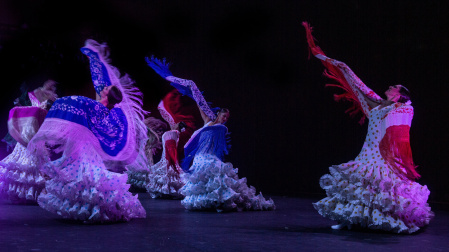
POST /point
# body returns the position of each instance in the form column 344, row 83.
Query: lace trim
column 196, row 93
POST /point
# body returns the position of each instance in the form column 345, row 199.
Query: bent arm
column 206, row 119
column 206, row 112
column 185, row 87
column 371, row 103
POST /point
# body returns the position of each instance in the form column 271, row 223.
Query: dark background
column 251, row 57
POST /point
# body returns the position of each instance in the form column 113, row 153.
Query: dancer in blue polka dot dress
column 84, row 146
column 211, row 182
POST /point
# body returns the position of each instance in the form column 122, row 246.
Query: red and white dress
column 166, row 176
column 377, row 189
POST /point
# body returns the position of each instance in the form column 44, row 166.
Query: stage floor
column 293, row 226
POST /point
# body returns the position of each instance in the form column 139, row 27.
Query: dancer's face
column 393, row 93
column 104, row 93
column 222, row 117
column 50, row 85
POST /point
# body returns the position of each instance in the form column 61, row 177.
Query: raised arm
column 367, row 98
column 371, row 103
column 186, row 87
column 98, row 70
column 195, row 93
column 206, row 118
column 356, row 91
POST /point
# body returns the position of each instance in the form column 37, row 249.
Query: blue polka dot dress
column 81, row 188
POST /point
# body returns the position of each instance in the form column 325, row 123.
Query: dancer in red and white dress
column 166, row 176
column 138, row 172
column 377, row 189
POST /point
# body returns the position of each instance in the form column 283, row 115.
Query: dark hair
column 48, row 104
column 223, row 110
column 114, row 96
column 405, row 94
column 182, row 125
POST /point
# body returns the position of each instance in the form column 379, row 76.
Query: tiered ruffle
column 20, row 178
column 215, row 185
column 165, row 182
column 84, row 190
column 139, row 179
column 373, row 196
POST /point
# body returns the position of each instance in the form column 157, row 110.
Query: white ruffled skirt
column 20, row 178
column 138, row 179
column 164, row 182
column 138, row 171
column 371, row 195
column 81, row 188
column 215, row 185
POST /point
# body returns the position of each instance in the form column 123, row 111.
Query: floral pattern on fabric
column 109, row 126
column 194, row 93
column 98, row 71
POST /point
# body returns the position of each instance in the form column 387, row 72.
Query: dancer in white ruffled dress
column 166, row 176
column 96, row 139
column 20, row 178
column 138, row 171
column 211, row 183
column 377, row 189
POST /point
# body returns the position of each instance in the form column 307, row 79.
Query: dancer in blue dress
column 95, row 141
column 211, row 182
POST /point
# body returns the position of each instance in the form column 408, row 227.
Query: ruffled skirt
column 371, row 195
column 163, row 182
column 138, row 172
column 81, row 188
column 20, row 178
column 215, row 185
column 137, row 179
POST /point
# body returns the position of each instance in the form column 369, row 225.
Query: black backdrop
column 252, row 57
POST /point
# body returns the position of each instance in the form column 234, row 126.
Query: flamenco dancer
column 166, row 176
column 211, row 183
column 20, row 178
column 138, row 171
column 156, row 129
column 95, row 139
column 377, row 189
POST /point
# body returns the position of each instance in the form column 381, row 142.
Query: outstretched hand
column 161, row 67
